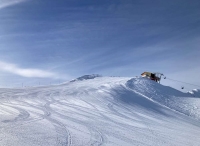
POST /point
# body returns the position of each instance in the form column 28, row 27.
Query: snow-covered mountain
column 94, row 110
column 86, row 77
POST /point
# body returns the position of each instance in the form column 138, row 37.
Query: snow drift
column 174, row 99
column 94, row 110
column 195, row 92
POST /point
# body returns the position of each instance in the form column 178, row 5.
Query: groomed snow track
column 111, row 111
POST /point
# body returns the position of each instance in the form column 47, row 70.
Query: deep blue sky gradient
column 71, row 38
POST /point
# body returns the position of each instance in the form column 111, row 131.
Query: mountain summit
column 86, row 77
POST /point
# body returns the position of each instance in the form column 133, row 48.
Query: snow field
column 94, row 111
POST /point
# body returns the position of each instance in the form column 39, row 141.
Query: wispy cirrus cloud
column 7, row 3
column 25, row 72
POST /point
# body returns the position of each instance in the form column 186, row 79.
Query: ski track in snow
column 111, row 111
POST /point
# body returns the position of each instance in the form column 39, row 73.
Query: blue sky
column 52, row 41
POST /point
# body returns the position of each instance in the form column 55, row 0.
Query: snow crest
column 167, row 96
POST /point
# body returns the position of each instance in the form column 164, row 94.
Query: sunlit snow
column 95, row 110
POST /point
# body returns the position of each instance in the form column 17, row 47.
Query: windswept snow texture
column 110, row 111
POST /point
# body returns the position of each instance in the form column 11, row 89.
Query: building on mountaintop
column 153, row 76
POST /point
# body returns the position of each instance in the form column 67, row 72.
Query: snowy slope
column 182, row 102
column 112, row 111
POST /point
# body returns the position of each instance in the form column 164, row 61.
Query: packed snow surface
column 94, row 111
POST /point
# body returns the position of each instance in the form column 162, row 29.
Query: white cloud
column 7, row 3
column 29, row 72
